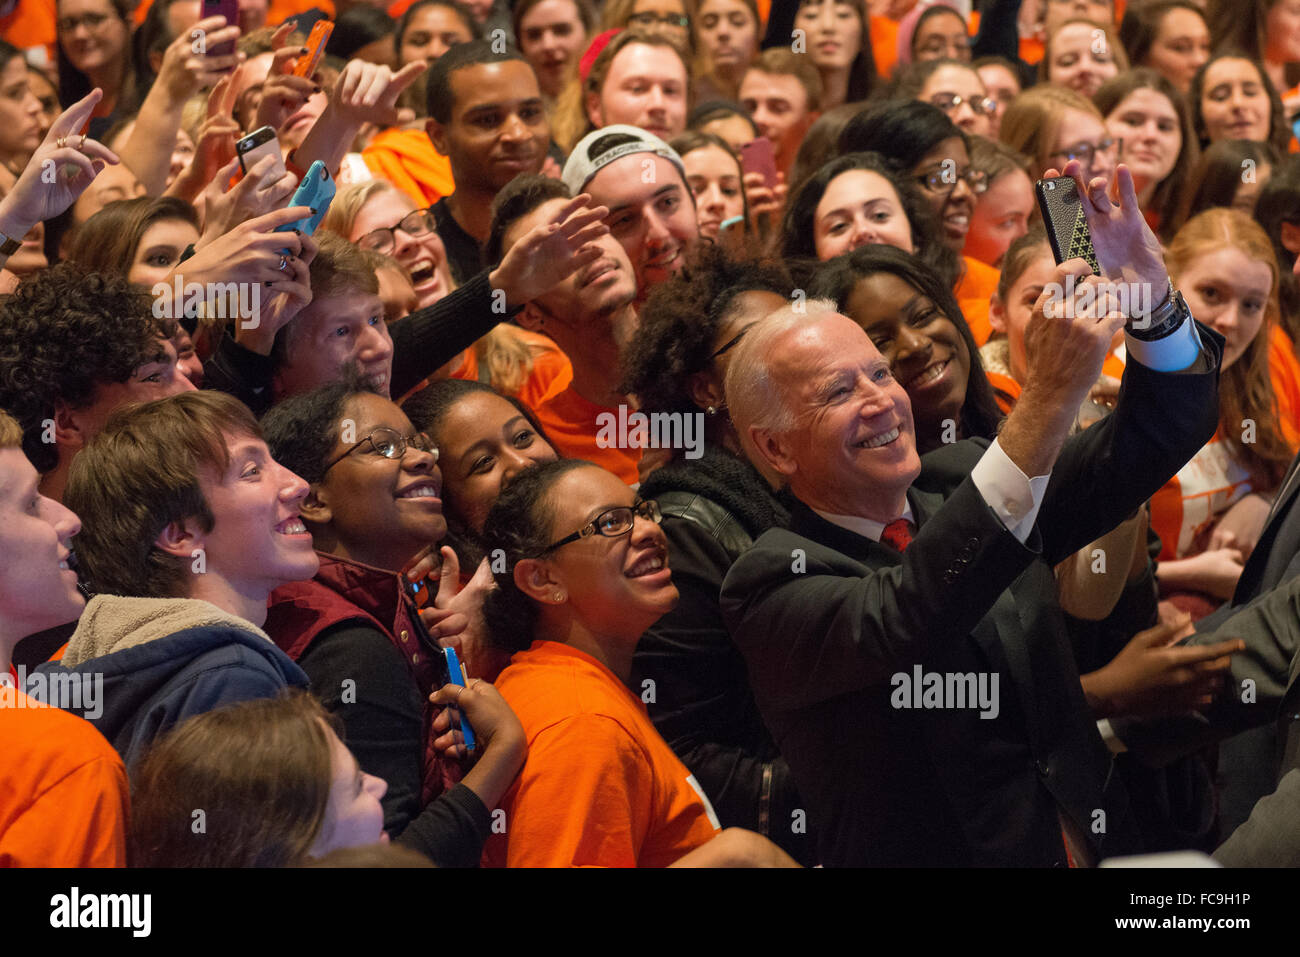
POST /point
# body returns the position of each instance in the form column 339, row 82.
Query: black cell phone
column 1067, row 227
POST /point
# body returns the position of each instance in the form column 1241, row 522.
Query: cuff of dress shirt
column 1014, row 497
column 1174, row 353
column 1108, row 735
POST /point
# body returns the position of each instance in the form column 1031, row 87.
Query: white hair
column 753, row 395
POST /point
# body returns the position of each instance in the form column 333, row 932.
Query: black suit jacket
column 826, row 617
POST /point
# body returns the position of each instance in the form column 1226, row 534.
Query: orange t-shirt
column 884, row 44
column 1284, row 374
column 551, row 373
column 600, row 787
column 573, row 425
column 407, row 159
column 65, row 797
column 978, row 283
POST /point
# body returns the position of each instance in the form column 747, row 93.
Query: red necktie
column 897, row 534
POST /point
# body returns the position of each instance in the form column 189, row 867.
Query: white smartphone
column 256, row 145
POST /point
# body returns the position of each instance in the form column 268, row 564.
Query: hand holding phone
column 320, row 35
column 255, row 146
column 758, row 156
column 456, row 676
column 1067, row 226
column 222, row 8
column 316, row 191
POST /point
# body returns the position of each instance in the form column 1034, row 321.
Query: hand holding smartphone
column 316, row 41
column 758, row 157
column 1067, row 226
column 316, row 191
column 222, row 8
column 255, row 146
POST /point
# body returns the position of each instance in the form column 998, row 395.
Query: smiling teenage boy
column 188, row 525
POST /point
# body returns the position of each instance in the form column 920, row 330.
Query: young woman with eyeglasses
column 379, row 217
column 672, row 18
column 585, row 575
column 922, row 141
column 1053, row 125
column 375, row 510
column 954, row 87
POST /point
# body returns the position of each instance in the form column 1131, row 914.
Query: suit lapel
column 1000, row 634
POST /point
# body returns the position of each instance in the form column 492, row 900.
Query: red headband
column 597, row 47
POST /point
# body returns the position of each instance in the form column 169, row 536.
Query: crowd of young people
column 670, row 390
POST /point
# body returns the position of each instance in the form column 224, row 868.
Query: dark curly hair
column 301, row 430
column 520, row 526
column 797, row 224
column 63, row 334
column 838, row 278
column 681, row 320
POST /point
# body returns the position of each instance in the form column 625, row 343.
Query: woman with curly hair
column 714, row 505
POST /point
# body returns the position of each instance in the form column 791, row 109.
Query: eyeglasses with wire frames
column 951, row 102
column 1086, row 152
column 416, row 224
column 945, row 180
column 612, row 523
column 389, row 443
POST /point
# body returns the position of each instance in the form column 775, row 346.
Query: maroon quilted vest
column 343, row 591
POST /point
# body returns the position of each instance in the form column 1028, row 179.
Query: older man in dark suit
column 903, row 636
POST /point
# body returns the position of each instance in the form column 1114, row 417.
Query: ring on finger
column 61, row 142
column 459, row 691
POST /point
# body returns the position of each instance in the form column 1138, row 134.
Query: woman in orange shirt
column 586, row 574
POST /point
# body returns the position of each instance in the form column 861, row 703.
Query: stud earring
column 558, row 596
column 711, row 410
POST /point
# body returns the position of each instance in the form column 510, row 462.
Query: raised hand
column 366, row 92
column 1127, row 250
column 59, row 171
column 184, row 71
column 551, row 252
column 283, row 94
column 257, row 194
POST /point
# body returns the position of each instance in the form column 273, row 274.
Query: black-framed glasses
column 649, row 19
column 951, row 102
column 389, row 443
column 612, row 522
column 943, row 180
column 416, row 224
column 1086, row 152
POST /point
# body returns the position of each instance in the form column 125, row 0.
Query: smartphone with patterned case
column 1067, row 227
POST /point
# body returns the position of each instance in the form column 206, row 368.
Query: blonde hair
column 11, row 433
column 503, row 352
column 1245, row 388
column 1034, row 119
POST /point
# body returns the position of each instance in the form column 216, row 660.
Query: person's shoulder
column 30, row 728
column 550, row 685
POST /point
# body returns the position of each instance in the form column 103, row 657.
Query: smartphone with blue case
column 316, row 191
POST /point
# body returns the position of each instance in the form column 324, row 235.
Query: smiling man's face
column 651, row 213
